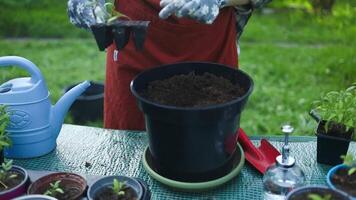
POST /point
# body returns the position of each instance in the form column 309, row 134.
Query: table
column 95, row 151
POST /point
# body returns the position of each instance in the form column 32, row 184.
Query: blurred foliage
column 36, row 18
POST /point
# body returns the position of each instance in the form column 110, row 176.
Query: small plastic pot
column 105, row 182
column 35, row 197
column 340, row 146
column 72, row 181
column 19, row 189
column 315, row 189
column 89, row 105
column 2, row 156
column 330, row 174
column 103, row 35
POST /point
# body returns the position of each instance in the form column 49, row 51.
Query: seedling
column 105, row 13
column 5, row 174
column 338, row 107
column 319, row 197
column 4, row 121
column 119, row 187
column 54, row 189
column 350, row 161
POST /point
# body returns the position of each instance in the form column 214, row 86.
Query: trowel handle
column 24, row 64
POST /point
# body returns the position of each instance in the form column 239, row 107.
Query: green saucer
column 197, row 186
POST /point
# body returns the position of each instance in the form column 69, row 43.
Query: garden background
column 293, row 52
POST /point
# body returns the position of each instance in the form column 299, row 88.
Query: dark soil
column 304, row 196
column 344, row 182
column 336, row 130
column 70, row 192
column 193, row 90
column 108, row 194
column 13, row 182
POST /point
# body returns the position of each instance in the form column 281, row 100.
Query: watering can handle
column 24, row 64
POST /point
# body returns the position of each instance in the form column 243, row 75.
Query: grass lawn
column 292, row 57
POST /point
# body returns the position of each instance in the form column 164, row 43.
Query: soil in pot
column 336, row 130
column 345, row 182
column 108, row 194
column 191, row 90
column 322, row 193
column 12, row 182
column 70, row 192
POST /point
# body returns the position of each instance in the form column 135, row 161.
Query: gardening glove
column 204, row 11
column 84, row 13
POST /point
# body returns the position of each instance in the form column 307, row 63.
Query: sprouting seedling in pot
column 54, row 189
column 5, row 174
column 319, row 197
column 105, row 13
column 350, row 161
column 118, row 187
column 338, row 107
column 4, row 121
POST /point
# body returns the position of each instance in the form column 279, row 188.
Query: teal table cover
column 96, row 151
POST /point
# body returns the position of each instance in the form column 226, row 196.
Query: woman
column 180, row 30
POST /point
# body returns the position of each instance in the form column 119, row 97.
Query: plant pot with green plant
column 343, row 176
column 63, row 186
column 4, row 137
column 316, row 193
column 115, row 26
column 13, row 181
column 336, row 115
column 117, row 188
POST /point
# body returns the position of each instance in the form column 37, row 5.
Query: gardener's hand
column 204, row 11
column 84, row 13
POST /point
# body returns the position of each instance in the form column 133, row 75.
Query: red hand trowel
column 260, row 157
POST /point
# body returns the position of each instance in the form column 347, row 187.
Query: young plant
column 118, row 187
column 105, row 13
column 338, row 107
column 319, row 197
column 350, row 161
column 54, row 189
column 5, row 174
column 4, row 121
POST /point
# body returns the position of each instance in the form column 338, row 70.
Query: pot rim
column 317, row 187
column 333, row 137
column 29, row 197
column 90, row 188
column 58, row 173
column 22, row 183
column 331, row 172
column 209, row 107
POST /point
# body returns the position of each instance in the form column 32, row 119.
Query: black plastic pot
column 1, row 156
column 336, row 194
column 189, row 144
column 102, row 34
column 331, row 148
column 89, row 105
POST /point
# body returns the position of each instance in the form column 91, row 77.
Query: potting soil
column 108, row 194
column 191, row 90
column 345, row 182
column 12, row 182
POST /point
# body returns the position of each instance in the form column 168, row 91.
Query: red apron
column 167, row 41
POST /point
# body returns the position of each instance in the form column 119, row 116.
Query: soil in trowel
column 193, row 90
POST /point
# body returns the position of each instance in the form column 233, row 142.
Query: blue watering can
column 34, row 123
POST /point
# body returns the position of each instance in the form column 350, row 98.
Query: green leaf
column 351, row 171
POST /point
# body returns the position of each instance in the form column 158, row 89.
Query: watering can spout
column 62, row 106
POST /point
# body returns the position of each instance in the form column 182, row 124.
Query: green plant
column 118, row 187
column 5, row 174
column 319, row 197
column 338, row 107
column 350, row 161
column 107, row 12
column 4, row 121
column 54, row 189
